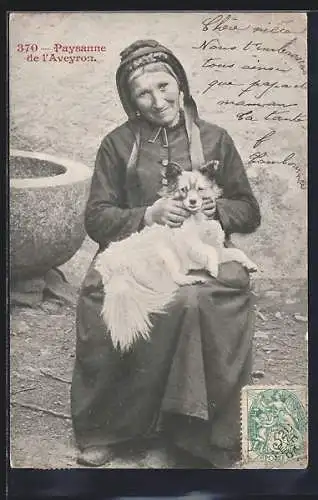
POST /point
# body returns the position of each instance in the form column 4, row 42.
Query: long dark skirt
column 187, row 377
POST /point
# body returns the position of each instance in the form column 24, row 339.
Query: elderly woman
column 185, row 382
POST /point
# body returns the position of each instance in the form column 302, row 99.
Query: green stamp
column 274, row 425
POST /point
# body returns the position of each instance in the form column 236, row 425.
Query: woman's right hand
column 166, row 211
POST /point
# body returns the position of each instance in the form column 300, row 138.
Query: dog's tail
column 127, row 307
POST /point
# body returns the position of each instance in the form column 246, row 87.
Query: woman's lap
column 118, row 396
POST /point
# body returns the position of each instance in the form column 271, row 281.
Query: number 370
column 27, row 47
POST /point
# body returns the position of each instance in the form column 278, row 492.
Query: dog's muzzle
column 193, row 205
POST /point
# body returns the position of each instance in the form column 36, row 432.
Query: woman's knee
column 234, row 275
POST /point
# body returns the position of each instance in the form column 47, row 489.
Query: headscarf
column 152, row 67
column 141, row 53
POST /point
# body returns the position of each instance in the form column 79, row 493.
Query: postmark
column 274, row 426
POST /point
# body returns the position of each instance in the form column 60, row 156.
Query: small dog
column 191, row 187
column 142, row 273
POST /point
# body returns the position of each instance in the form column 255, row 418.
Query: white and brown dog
column 142, row 273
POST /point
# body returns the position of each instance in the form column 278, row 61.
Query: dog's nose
column 192, row 201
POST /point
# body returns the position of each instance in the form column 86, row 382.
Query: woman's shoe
column 223, row 458
column 95, row 456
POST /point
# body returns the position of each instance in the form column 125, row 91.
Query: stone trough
column 47, row 202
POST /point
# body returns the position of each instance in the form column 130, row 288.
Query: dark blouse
column 108, row 217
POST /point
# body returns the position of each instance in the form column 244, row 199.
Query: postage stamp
column 274, row 426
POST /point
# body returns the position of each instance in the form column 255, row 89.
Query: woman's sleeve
column 106, row 218
column 237, row 210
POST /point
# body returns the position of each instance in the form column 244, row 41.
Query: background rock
column 46, row 212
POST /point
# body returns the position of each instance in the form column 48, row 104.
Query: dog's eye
column 183, row 189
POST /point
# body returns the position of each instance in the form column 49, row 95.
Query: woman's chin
column 164, row 121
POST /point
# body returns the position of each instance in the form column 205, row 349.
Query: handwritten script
column 253, row 70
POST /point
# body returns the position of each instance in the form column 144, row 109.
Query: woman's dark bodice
column 108, row 216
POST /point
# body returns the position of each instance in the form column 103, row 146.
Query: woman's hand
column 209, row 208
column 166, row 212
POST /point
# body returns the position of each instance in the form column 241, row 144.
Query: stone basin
column 47, row 202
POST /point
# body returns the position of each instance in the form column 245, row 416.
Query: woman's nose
column 157, row 100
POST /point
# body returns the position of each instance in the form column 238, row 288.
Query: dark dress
column 187, row 379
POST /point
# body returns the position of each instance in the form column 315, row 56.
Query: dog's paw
column 190, row 280
column 250, row 266
column 213, row 271
column 199, row 280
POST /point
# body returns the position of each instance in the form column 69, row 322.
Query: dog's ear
column 210, row 169
column 171, row 172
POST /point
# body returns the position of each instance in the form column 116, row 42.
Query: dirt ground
column 42, row 358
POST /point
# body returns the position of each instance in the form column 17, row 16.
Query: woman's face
column 156, row 96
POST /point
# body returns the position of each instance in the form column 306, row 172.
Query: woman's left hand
column 209, row 208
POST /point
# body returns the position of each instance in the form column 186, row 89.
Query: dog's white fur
column 142, row 273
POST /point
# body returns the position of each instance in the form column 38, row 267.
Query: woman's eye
column 163, row 86
column 142, row 93
column 200, row 188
